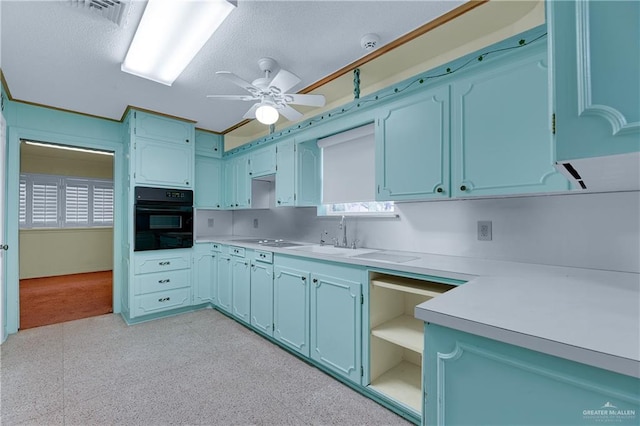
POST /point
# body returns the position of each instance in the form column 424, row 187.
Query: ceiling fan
column 270, row 94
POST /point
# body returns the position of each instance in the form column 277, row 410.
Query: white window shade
column 44, row 203
column 348, row 166
column 77, row 203
column 102, row 205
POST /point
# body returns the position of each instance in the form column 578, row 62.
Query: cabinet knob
column 315, row 280
column 187, row 182
column 215, row 149
column 463, row 188
column 218, row 205
column 279, row 202
column 304, row 278
column 439, row 190
column 187, row 140
column 250, row 173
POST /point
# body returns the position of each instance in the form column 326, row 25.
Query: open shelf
column 402, row 383
column 404, row 330
column 409, row 285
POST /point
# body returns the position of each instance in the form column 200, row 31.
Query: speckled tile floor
column 199, row 368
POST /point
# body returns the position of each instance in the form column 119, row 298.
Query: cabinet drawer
column 220, row 248
column 236, row 251
column 162, row 301
column 147, row 264
column 264, row 256
column 161, row 281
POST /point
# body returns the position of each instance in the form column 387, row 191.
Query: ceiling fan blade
column 233, row 97
column 252, row 111
column 309, row 100
column 290, row 113
column 238, row 81
column 284, row 81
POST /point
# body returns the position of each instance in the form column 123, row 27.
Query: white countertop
column 585, row 315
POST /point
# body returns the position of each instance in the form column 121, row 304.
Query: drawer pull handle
column 164, row 263
column 164, row 299
column 164, row 281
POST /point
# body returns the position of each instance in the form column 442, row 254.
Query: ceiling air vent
column 113, row 10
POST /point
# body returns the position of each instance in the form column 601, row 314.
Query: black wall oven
column 163, row 218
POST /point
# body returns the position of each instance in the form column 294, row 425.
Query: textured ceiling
column 66, row 57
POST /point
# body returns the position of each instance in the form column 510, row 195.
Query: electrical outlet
column 210, row 222
column 484, row 230
column 255, row 223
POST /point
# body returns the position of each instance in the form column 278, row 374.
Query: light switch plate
column 210, row 222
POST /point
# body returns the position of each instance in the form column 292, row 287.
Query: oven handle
column 176, row 209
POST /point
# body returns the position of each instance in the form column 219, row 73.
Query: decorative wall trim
column 586, row 107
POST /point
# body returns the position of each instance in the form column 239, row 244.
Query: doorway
column 66, row 233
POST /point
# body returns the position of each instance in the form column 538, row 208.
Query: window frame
column 62, row 184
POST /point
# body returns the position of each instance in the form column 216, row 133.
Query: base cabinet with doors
column 396, row 337
column 240, row 284
column 262, row 291
column 223, row 279
column 465, row 376
column 318, row 312
column 205, row 269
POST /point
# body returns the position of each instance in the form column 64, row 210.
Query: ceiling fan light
column 169, row 36
column 267, row 114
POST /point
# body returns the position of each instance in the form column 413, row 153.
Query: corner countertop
column 584, row 315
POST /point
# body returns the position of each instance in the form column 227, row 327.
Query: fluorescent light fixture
column 68, row 148
column 267, row 114
column 170, row 34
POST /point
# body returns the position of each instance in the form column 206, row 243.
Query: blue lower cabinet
column 262, row 296
column 473, row 380
column 336, row 325
column 291, row 308
column 241, row 288
column 205, row 271
column 223, row 283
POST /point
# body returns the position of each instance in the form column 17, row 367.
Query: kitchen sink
column 332, row 250
column 386, row 257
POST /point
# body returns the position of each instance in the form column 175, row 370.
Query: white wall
column 600, row 231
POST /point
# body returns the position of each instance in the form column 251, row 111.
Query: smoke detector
column 369, row 41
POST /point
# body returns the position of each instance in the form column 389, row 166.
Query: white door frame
column 16, row 134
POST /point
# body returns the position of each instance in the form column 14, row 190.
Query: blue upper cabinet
column 262, row 161
column 209, row 144
column 501, row 140
column 412, row 147
column 308, row 183
column 595, row 68
column 163, row 151
column 285, row 173
column 237, row 183
column 208, row 186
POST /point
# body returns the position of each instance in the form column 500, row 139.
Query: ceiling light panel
column 169, row 36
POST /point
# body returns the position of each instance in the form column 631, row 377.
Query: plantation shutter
column 44, row 203
column 22, row 216
column 76, row 211
column 102, row 205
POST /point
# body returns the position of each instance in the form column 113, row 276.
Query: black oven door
column 159, row 227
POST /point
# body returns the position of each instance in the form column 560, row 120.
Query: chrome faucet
column 343, row 227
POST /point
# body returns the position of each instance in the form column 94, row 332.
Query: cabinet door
column 208, row 183
column 595, row 68
column 336, row 325
column 223, row 283
column 243, row 183
column 163, row 128
column 205, row 274
column 241, row 292
column 501, row 140
column 208, row 144
column 291, row 308
column 285, row 174
column 262, row 162
column 412, row 148
column 163, row 163
column 230, row 184
column 262, row 297
column 308, row 183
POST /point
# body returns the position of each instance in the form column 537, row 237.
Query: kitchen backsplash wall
column 209, row 223
column 599, row 231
